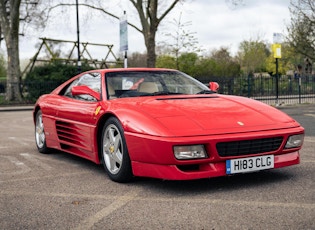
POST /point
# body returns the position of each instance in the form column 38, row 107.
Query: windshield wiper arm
column 206, row 91
column 164, row 93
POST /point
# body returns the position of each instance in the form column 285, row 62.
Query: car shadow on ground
column 253, row 180
column 234, row 182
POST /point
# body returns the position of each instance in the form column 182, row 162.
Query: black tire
column 115, row 156
column 40, row 138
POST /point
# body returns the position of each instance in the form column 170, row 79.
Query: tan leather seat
column 111, row 91
column 148, row 87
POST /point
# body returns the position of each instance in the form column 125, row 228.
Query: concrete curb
column 16, row 108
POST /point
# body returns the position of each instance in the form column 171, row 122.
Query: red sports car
column 165, row 124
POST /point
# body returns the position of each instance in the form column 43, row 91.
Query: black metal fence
column 291, row 90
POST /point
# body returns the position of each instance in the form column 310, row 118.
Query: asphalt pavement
column 61, row 191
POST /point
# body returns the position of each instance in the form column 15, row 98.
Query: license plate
column 249, row 164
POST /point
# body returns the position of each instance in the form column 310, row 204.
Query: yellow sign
column 276, row 49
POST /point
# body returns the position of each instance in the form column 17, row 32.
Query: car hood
column 204, row 115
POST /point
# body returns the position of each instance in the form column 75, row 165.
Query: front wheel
column 115, row 156
column 40, row 137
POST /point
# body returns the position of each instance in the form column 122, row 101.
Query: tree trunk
column 10, row 21
column 148, row 14
column 150, row 45
column 13, row 92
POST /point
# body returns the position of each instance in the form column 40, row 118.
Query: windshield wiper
column 164, row 93
column 132, row 93
column 206, row 91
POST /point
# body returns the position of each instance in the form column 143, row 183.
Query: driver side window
column 92, row 80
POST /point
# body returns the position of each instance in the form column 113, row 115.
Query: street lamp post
column 78, row 38
column 277, row 82
column 123, row 34
column 276, row 48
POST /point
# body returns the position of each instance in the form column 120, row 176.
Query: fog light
column 294, row 141
column 187, row 152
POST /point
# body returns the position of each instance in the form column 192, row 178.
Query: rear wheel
column 40, row 137
column 115, row 154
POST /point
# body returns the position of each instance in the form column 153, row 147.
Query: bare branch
column 168, row 10
column 95, row 8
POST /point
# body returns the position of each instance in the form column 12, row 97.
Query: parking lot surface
column 60, row 191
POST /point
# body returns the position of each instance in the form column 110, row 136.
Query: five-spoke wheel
column 40, row 137
column 115, row 154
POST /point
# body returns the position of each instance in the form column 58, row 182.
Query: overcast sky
column 215, row 22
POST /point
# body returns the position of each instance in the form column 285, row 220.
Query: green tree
column 187, row 63
column 301, row 31
column 204, row 70
column 289, row 60
column 225, row 65
column 180, row 40
column 252, row 56
column 166, row 61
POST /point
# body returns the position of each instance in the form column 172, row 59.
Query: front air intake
column 246, row 147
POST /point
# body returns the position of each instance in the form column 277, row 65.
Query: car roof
column 131, row 69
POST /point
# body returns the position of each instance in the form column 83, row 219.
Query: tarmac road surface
column 60, row 191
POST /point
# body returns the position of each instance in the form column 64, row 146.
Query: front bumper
column 202, row 170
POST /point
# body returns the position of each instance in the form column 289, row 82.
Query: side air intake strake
column 72, row 135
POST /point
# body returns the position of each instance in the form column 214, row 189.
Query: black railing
column 290, row 90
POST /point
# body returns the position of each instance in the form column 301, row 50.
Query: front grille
column 240, row 148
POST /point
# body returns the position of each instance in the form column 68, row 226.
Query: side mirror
column 83, row 89
column 214, row 86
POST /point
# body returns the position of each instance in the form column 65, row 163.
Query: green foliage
column 225, row 65
column 3, row 70
column 301, row 31
column 218, row 64
column 253, row 55
column 187, row 63
column 271, row 65
column 290, row 60
column 206, row 67
column 166, row 61
column 43, row 79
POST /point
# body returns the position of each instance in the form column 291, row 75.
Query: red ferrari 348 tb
column 162, row 123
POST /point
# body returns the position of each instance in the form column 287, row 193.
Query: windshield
column 150, row 83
